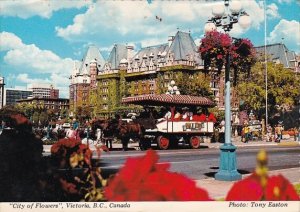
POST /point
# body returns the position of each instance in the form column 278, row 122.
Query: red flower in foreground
column 20, row 119
column 249, row 189
column 142, row 179
column 280, row 189
column 246, row 190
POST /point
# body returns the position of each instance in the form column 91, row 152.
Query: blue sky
column 41, row 39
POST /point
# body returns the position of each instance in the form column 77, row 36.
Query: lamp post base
column 228, row 170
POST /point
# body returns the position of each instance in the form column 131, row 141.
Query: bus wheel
column 195, row 142
column 163, row 142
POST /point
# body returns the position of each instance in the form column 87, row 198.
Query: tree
column 195, row 85
column 283, row 89
column 43, row 118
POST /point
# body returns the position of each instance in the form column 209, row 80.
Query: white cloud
column 43, row 8
column 25, row 79
column 136, row 21
column 289, row 31
column 36, row 61
column 9, row 41
column 285, row 1
column 272, row 11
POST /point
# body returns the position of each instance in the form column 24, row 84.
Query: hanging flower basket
column 216, row 45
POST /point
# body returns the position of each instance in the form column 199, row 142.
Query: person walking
column 246, row 133
column 278, row 133
column 70, row 132
column 269, row 133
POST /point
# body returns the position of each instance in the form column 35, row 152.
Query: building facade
column 55, row 104
column 148, row 71
column 2, row 92
column 12, row 95
column 101, row 84
column 83, row 81
column 43, row 90
column 129, row 73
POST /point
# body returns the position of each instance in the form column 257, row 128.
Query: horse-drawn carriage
column 169, row 131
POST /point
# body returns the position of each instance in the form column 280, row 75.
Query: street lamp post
column 172, row 88
column 225, row 17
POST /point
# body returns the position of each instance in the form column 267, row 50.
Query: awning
column 163, row 99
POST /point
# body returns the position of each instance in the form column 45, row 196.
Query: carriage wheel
column 163, row 142
column 145, row 144
column 195, row 142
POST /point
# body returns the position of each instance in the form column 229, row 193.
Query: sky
column 41, row 39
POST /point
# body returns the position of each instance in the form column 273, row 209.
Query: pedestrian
column 269, row 133
column 70, row 132
column 246, row 132
column 295, row 134
column 222, row 132
column 277, row 133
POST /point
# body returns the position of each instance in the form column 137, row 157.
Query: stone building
column 43, row 90
column 100, row 85
column 280, row 54
column 83, row 79
column 148, row 71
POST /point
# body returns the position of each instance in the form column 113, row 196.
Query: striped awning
column 162, row 99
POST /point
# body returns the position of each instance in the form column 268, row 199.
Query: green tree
column 283, row 89
column 35, row 118
column 194, row 84
column 43, row 118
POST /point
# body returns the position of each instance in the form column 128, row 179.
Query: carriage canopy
column 163, row 99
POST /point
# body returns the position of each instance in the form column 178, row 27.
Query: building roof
column 168, row 99
column 182, row 46
column 118, row 53
column 278, row 52
column 151, row 50
column 92, row 54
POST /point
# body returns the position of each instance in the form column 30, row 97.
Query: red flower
column 20, row 119
column 212, row 118
column 142, row 179
column 280, row 189
column 248, row 189
column 65, row 148
column 277, row 188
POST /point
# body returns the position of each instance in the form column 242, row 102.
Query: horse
column 107, row 131
column 118, row 128
column 129, row 130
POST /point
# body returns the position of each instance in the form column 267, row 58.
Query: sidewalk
column 219, row 189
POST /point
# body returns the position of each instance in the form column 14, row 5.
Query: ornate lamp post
column 225, row 17
column 172, row 88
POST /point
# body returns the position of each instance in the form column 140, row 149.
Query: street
column 203, row 163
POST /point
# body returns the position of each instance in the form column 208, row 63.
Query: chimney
column 129, row 52
column 170, row 40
